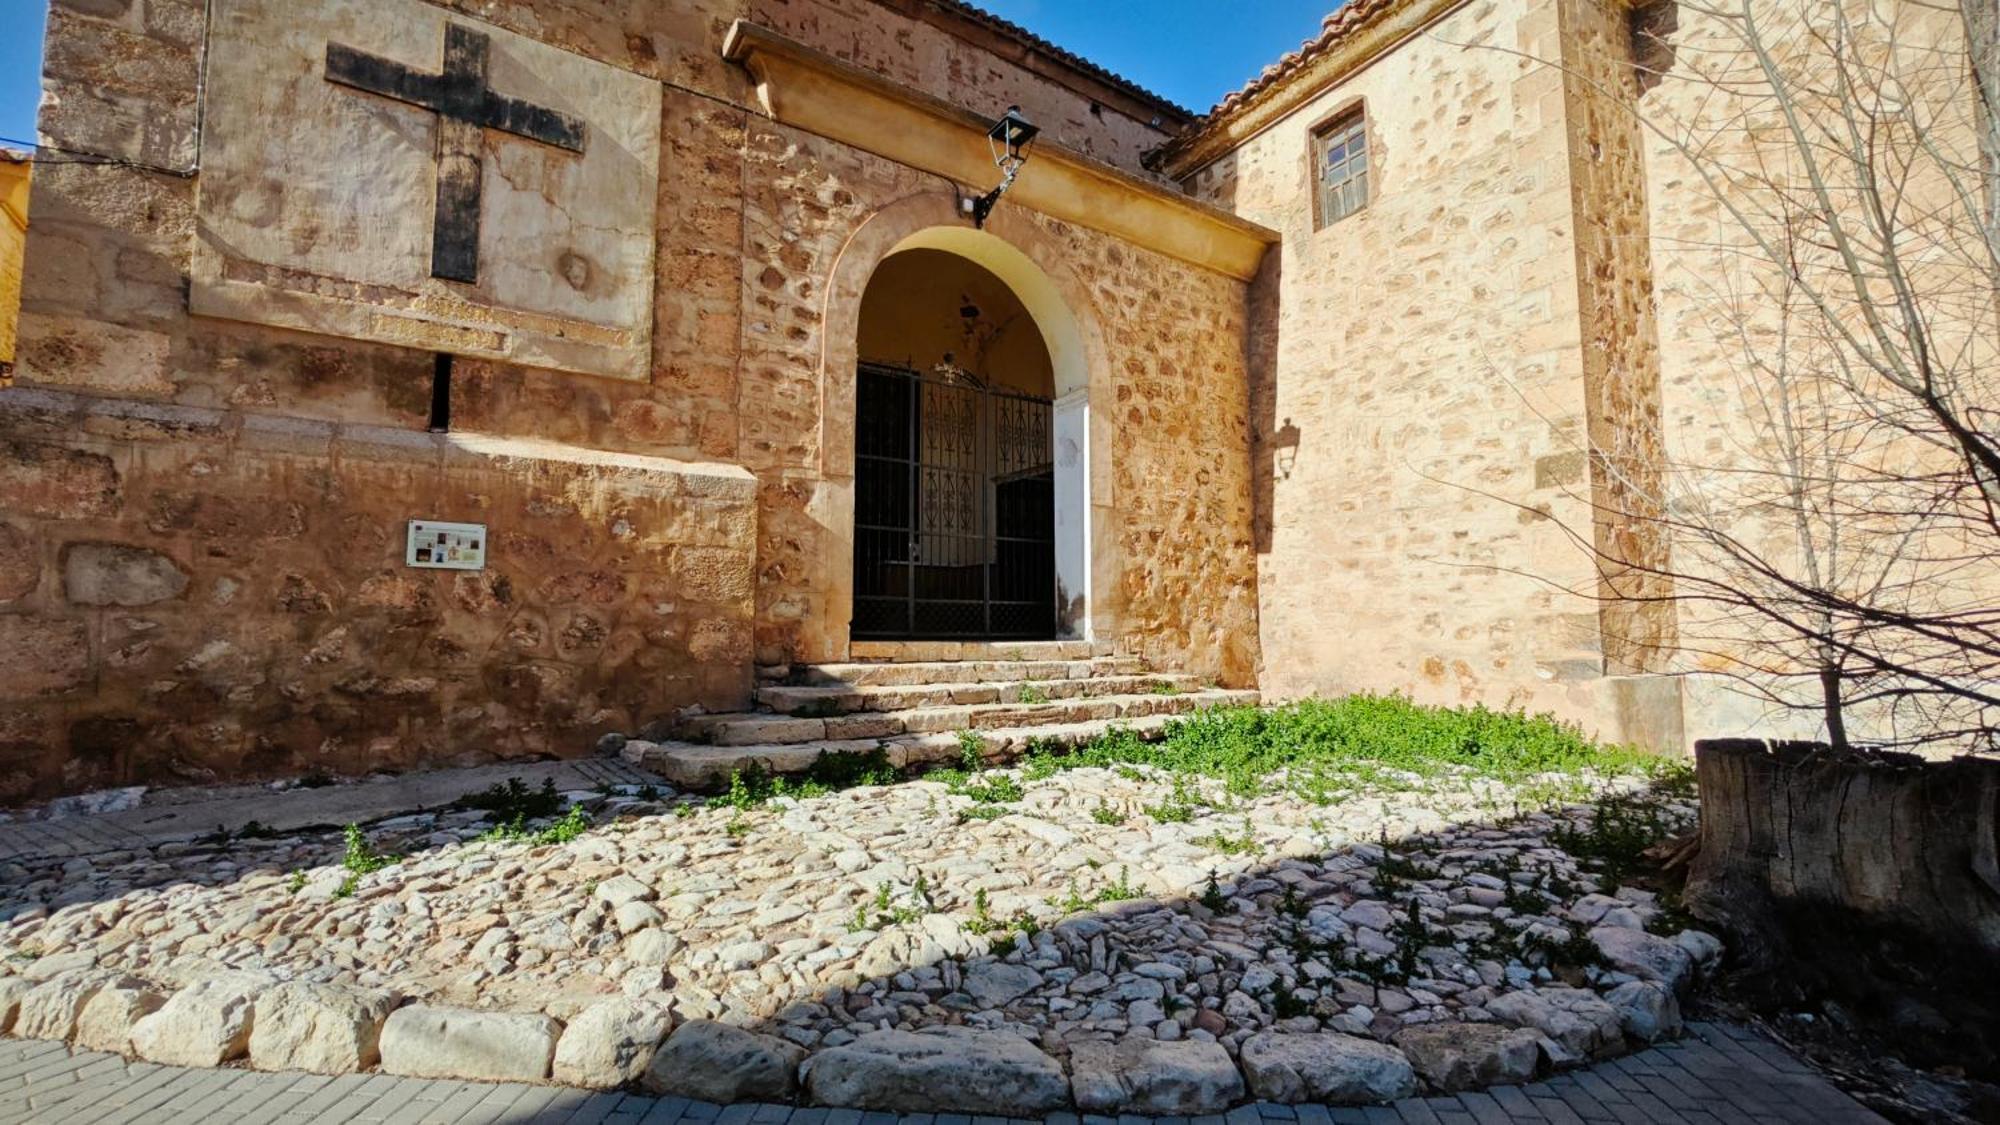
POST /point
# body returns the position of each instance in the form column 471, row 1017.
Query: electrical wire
column 75, row 156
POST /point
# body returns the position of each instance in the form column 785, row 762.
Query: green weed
column 995, row 789
column 1213, row 895
column 1621, row 828
column 1324, row 749
column 1120, row 891
column 359, row 856
column 888, row 911
column 983, row 812
column 512, row 799
column 1243, row 844
column 573, row 824
column 832, row 771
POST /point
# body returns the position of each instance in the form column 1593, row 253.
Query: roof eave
column 1270, row 99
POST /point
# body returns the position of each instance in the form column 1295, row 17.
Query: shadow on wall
column 1274, row 445
column 1372, row 940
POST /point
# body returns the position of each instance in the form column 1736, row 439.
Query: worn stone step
column 825, row 702
column 693, row 765
column 932, row 651
column 746, row 729
column 868, row 674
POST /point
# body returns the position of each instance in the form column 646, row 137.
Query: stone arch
column 1016, row 248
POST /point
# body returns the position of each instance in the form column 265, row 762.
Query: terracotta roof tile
column 1069, row 58
column 1338, row 24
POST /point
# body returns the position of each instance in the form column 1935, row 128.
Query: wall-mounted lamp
column 1009, row 138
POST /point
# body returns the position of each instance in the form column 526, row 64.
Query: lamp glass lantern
column 1009, row 139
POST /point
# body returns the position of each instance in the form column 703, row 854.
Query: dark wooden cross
column 466, row 107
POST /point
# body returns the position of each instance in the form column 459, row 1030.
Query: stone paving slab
column 178, row 819
column 1720, row 1074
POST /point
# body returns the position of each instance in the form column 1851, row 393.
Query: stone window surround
column 1347, row 113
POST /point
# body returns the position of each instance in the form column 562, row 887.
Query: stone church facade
column 643, row 292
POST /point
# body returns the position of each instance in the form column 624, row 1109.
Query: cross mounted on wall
column 466, row 107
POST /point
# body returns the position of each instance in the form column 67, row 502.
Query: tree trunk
column 1982, row 36
column 1836, row 721
column 1865, row 877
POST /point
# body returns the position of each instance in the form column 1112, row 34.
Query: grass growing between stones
column 1325, row 750
column 512, row 800
column 830, row 772
column 573, row 824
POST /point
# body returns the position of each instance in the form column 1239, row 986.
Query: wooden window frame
column 1340, row 121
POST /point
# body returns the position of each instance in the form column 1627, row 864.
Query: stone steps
column 824, row 700
column 912, row 699
column 755, row 729
column 693, row 765
column 924, row 672
column 913, row 652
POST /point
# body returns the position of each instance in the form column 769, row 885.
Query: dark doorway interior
column 954, row 509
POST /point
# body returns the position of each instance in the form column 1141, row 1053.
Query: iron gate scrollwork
column 954, row 509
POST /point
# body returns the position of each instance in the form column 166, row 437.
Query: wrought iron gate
column 954, row 510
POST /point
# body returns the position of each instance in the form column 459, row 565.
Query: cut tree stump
column 1868, row 878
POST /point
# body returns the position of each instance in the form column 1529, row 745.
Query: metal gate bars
column 954, row 510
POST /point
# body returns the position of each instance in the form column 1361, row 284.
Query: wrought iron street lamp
column 1009, row 137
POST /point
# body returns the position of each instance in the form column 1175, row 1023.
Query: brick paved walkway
column 1718, row 1074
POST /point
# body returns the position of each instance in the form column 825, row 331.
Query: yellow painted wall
column 14, row 170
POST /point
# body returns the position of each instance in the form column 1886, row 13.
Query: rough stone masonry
column 243, row 366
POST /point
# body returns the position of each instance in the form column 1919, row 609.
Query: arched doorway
column 955, row 470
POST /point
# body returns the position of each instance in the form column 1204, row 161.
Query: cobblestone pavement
column 1718, row 1073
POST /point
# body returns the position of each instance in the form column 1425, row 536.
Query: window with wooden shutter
column 1340, row 167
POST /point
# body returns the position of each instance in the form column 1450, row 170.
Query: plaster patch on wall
column 317, row 198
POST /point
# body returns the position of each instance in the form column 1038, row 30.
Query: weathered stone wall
column 1418, row 383
column 1621, row 353
column 190, row 594
column 653, row 538
column 1758, row 394
column 1166, row 384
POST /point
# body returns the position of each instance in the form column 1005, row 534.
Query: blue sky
column 20, row 66
column 1189, row 51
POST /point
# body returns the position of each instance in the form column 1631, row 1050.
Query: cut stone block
column 422, row 1041
column 105, row 1024
column 319, row 1028
column 1331, row 1068
column 940, row 1070
column 610, row 1043
column 715, row 1062
column 205, row 1024
column 1469, row 1056
column 1182, row 1078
